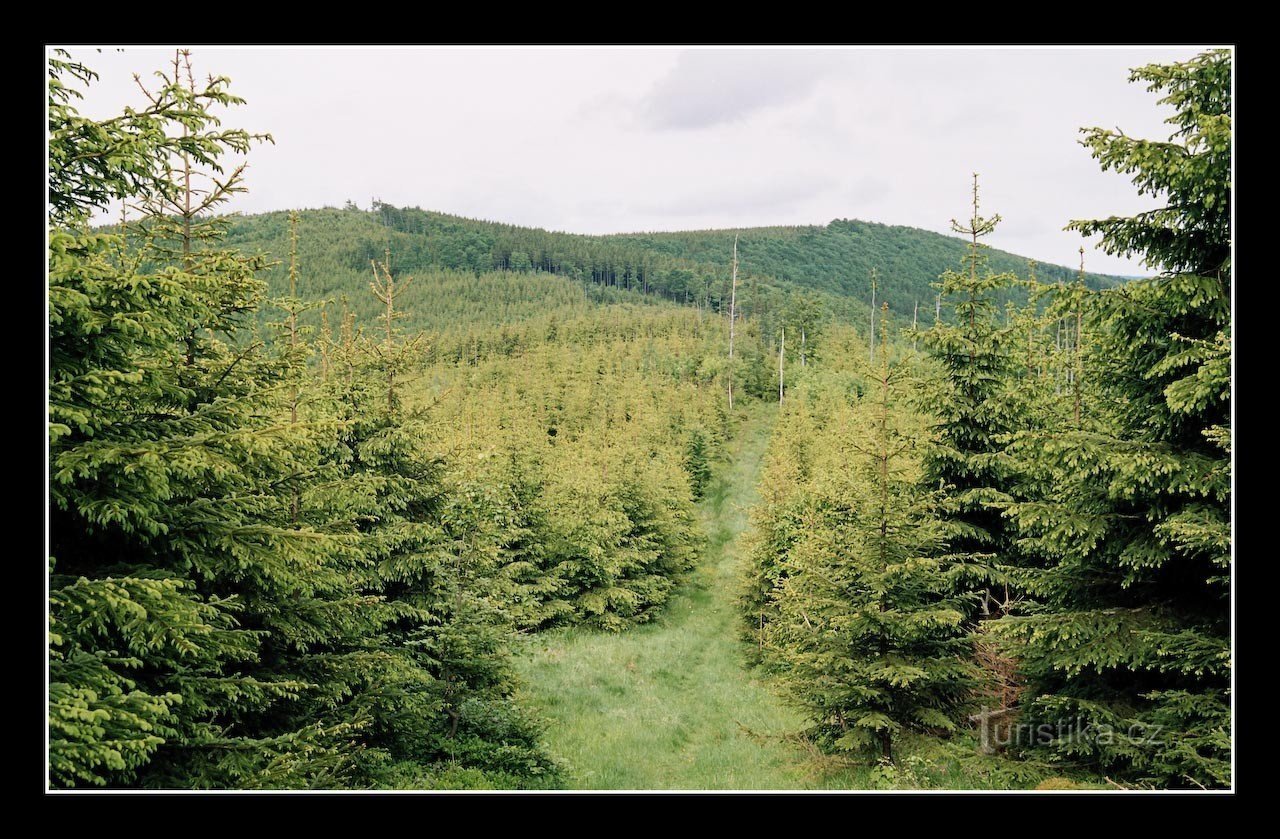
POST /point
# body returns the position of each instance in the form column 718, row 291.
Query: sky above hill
column 620, row 140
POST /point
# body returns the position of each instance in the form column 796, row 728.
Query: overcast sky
column 618, row 140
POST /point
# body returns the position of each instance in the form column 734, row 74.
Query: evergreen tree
column 778, row 521
column 869, row 629
column 973, row 401
column 535, row 591
column 1128, row 639
column 697, row 461
column 443, row 690
column 182, row 595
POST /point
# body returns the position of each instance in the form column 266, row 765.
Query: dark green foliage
column 697, row 461
column 866, row 624
column 172, row 555
column 255, row 582
column 278, row 561
column 443, row 691
column 1130, row 633
column 1099, row 425
column 972, row 399
column 792, row 275
column 838, row 258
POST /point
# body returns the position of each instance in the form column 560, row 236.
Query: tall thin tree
column 915, row 318
column 733, row 313
column 387, row 290
column 782, row 351
column 871, row 339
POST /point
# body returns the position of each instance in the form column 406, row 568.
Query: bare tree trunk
column 915, row 317
column 293, row 338
column 871, row 341
column 782, row 353
column 733, row 311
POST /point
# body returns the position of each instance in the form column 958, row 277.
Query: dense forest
column 334, row 494
column 783, row 268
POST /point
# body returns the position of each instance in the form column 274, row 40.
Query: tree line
column 783, row 268
column 1025, row 525
column 293, row 542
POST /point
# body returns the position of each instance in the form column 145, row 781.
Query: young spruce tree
column 869, row 627
column 1128, row 647
column 434, row 548
column 974, row 408
column 184, row 598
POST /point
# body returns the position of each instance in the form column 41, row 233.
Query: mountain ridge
column 831, row 263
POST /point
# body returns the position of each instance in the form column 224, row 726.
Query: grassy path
column 670, row 705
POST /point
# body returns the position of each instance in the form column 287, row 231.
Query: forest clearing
column 671, row 705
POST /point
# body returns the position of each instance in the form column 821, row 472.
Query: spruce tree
column 182, row 594
column 778, row 521
column 443, row 690
column 109, row 627
column 697, row 461
column 869, row 627
column 1127, row 645
column 974, row 407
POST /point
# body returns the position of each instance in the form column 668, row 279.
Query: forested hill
column 838, row 258
column 832, row 262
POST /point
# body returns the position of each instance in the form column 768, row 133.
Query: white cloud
column 608, row 140
column 712, row 87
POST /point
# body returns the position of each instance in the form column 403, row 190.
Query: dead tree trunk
column 733, row 312
column 871, row 341
column 782, row 353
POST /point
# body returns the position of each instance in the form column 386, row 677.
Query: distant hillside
column 831, row 263
column 459, row 297
column 838, row 258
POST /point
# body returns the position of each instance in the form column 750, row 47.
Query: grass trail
column 670, row 705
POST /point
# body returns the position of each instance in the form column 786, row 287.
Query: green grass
column 672, row 704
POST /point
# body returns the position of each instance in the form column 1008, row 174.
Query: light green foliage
column 586, row 439
column 440, row 695
column 669, row 705
column 1099, row 425
column 256, row 582
column 818, row 392
column 94, row 163
column 864, row 624
column 171, row 553
column 672, row 705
